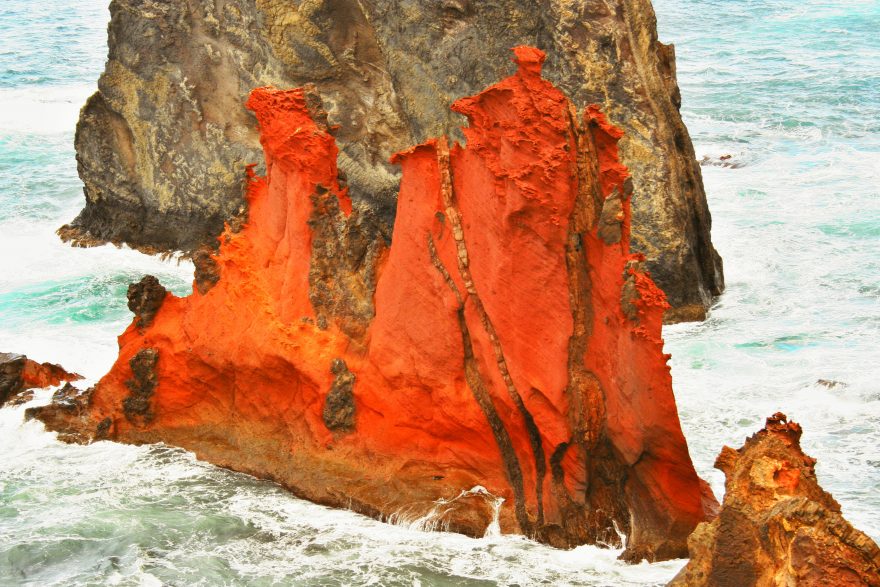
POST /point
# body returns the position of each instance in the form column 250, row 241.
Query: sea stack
column 777, row 526
column 506, row 345
column 163, row 143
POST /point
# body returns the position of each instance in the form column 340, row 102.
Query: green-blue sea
column 789, row 89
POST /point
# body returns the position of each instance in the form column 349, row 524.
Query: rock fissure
column 448, row 193
column 478, row 389
column 502, row 436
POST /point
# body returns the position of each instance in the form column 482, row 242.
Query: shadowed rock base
column 499, row 349
column 777, row 527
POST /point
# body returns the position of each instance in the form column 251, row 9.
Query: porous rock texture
column 18, row 374
column 163, row 143
column 501, row 347
column 777, row 526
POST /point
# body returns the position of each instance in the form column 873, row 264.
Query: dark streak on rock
column 502, row 437
column 448, row 193
column 136, row 406
column 512, row 468
column 339, row 407
column 102, row 431
column 345, row 253
column 145, row 298
column 207, row 273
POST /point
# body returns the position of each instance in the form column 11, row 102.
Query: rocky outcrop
column 163, row 143
column 777, row 527
column 499, row 343
column 19, row 374
column 145, row 298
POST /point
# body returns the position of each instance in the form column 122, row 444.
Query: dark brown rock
column 136, row 406
column 339, row 405
column 162, row 147
column 20, row 398
column 206, row 274
column 777, row 526
column 145, row 298
column 67, row 413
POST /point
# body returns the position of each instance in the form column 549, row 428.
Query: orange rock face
column 506, row 340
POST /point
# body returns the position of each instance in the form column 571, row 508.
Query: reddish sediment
column 506, row 338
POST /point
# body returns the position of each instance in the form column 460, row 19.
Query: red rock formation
column 18, row 374
column 777, row 526
column 507, row 338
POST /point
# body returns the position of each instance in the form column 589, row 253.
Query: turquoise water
column 790, row 89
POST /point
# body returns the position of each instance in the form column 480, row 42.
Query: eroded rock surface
column 777, row 526
column 488, row 356
column 163, row 144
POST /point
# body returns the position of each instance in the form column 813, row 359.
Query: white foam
column 41, row 109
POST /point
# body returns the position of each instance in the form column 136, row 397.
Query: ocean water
column 790, row 89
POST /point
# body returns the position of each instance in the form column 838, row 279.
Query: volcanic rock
column 19, row 374
column 777, row 526
column 488, row 347
column 145, row 298
column 163, row 144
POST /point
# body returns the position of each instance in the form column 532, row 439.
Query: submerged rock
column 19, row 374
column 499, row 343
column 777, row 527
column 162, row 145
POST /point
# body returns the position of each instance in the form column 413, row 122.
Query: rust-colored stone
column 777, row 527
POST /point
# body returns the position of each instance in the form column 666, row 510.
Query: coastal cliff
column 163, row 143
column 499, row 365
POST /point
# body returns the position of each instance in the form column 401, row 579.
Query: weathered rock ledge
column 507, row 339
column 162, row 145
column 777, row 527
column 18, row 374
